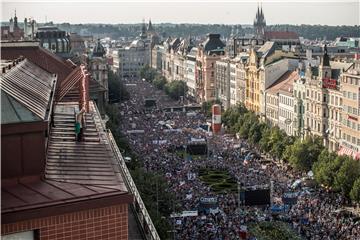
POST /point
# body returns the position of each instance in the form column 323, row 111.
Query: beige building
column 350, row 124
column 324, row 101
column 279, row 102
column 211, row 50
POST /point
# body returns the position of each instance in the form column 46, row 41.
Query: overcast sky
column 230, row 12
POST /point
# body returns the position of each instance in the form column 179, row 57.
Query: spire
column 325, row 59
column 150, row 27
column 143, row 30
column 15, row 20
column 232, row 31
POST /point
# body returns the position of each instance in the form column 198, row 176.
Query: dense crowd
column 316, row 215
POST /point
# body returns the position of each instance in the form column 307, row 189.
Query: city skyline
column 323, row 13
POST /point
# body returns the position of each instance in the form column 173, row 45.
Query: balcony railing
column 141, row 212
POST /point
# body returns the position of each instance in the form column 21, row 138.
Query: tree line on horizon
column 116, row 31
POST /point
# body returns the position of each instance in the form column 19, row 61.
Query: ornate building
column 208, row 53
column 13, row 31
column 99, row 69
column 55, row 40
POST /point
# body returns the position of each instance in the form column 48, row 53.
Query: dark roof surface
column 27, row 93
column 38, row 55
column 284, row 83
column 213, row 42
column 75, row 171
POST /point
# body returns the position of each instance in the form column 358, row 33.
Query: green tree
column 231, row 116
column 117, row 90
column 346, row 176
column 355, row 191
column 159, row 82
column 326, row 168
column 277, row 142
column 303, row 154
column 175, row 89
column 264, row 142
column 148, row 73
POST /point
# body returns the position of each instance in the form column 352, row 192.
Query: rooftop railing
column 141, row 212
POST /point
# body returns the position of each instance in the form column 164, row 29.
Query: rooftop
column 26, row 93
column 38, row 55
column 284, row 84
column 75, row 171
column 281, row 35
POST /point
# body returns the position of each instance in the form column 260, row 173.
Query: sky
column 345, row 12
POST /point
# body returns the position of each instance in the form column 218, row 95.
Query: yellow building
column 252, row 101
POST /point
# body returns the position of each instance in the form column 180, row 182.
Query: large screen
column 196, row 149
column 257, row 197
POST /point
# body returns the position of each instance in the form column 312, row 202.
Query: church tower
column 259, row 23
column 324, row 67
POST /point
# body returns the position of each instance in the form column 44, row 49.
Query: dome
column 137, row 43
column 98, row 50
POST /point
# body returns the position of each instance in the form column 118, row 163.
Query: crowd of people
column 159, row 138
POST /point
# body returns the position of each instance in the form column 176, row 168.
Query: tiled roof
column 69, row 83
column 75, row 171
column 38, row 55
column 29, row 86
column 284, row 84
column 281, row 35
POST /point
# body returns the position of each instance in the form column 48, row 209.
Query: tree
column 326, row 168
column 175, row 89
column 277, row 142
column 231, row 117
column 264, row 142
column 303, row 154
column 148, row 73
column 117, row 90
column 206, row 106
column 355, row 191
column 159, row 82
column 346, row 176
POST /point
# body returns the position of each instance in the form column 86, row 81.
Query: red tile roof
column 284, row 83
column 281, row 35
column 17, row 34
column 38, row 55
column 76, row 173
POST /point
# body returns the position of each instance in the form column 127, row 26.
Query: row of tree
column 174, row 89
column 152, row 186
column 339, row 173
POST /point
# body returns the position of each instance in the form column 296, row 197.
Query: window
column 29, row 235
column 212, row 73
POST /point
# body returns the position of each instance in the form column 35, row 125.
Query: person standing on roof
column 79, row 125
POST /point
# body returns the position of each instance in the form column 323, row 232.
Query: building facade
column 211, row 50
column 350, row 122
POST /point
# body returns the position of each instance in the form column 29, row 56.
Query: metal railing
column 139, row 206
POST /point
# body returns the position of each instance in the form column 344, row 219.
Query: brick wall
column 101, row 223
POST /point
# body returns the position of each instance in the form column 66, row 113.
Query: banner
column 191, row 176
column 190, row 213
column 207, row 203
column 290, row 198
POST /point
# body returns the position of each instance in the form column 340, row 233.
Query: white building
column 190, row 70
